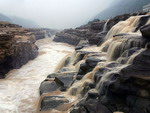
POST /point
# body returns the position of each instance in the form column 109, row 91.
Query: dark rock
column 98, row 75
column 92, row 94
column 79, row 77
column 86, row 67
column 145, row 30
column 51, row 102
column 59, row 82
column 48, row 86
column 65, row 79
column 143, row 20
column 83, row 69
column 92, row 62
column 122, row 34
column 78, row 47
column 89, row 106
column 112, row 64
column 83, row 66
column 147, row 45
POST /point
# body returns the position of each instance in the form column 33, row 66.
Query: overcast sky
column 54, row 13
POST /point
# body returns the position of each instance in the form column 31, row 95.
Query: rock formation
column 17, row 47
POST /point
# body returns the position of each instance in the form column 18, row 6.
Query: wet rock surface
column 116, row 79
column 145, row 30
column 57, row 81
column 51, row 102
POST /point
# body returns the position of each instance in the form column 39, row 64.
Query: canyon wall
column 17, row 47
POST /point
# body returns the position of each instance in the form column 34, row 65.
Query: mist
column 57, row 14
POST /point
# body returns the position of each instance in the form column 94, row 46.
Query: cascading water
column 127, row 26
column 105, row 26
column 102, row 33
column 20, row 90
column 116, row 44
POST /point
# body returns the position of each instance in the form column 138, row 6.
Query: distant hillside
column 4, row 18
column 24, row 22
column 122, row 7
column 17, row 20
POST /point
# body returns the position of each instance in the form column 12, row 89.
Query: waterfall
column 105, row 26
column 127, row 26
column 122, row 37
column 77, row 89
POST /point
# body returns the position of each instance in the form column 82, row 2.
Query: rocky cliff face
column 17, row 47
column 106, row 79
column 88, row 32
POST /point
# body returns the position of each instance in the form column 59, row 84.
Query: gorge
column 100, row 67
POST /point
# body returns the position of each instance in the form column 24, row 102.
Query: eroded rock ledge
column 17, row 47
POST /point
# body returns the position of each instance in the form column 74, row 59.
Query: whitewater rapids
column 19, row 92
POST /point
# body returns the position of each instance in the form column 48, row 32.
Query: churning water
column 19, row 92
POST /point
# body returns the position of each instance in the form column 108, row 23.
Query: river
column 19, row 92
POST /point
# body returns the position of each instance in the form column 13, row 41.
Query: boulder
column 89, row 106
column 92, row 62
column 145, row 30
column 51, row 102
column 66, row 78
column 143, row 20
column 48, row 86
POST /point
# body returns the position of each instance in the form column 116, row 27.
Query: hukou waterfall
column 110, row 76
column 106, row 78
